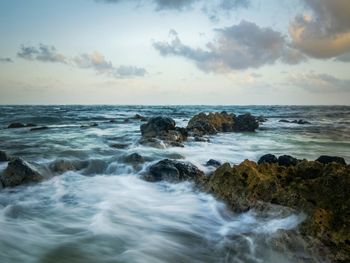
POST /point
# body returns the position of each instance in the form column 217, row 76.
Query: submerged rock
column 173, row 171
column 16, row 125
column 325, row 159
column 19, row 172
column 119, row 145
column 62, row 166
column 4, row 157
column 321, row 191
column 295, row 121
column 134, row 158
column 39, row 128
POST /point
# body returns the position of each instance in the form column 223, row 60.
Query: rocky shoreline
column 319, row 189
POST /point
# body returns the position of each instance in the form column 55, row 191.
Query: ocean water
column 104, row 212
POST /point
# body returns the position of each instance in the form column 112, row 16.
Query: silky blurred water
column 106, row 213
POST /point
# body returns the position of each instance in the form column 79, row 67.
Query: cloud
column 241, row 46
column 212, row 8
column 324, row 33
column 98, row 62
column 317, row 82
column 42, row 53
column 94, row 60
column 6, row 60
column 344, row 58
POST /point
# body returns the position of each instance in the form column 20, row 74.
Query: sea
column 105, row 212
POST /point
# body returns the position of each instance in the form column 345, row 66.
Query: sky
column 159, row 52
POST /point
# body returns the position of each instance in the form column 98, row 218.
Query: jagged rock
column 164, row 129
column 268, row 158
column 134, row 158
column 173, row 171
column 16, row 125
column 325, row 159
column 19, row 172
column 213, row 163
column 287, row 160
column 318, row 190
column 4, row 157
column 39, row 128
column 213, row 123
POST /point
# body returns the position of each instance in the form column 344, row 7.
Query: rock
column 201, row 139
column 157, row 126
column 319, row 191
column 268, row 158
column 119, row 145
column 164, row 129
column 19, row 172
column 300, row 122
column 140, row 117
column 113, row 121
column 4, row 157
column 211, row 123
column 287, row 160
column 134, row 158
column 213, row 163
column 16, row 125
column 62, row 166
column 285, row 121
column 89, row 125
column 173, row 171
column 261, row 119
column 325, row 159
column 39, row 128
column 246, row 122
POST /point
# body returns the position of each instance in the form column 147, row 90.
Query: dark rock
column 213, row 163
column 201, row 139
column 4, row 157
column 16, row 125
column 325, row 159
column 173, row 171
column 140, row 117
column 300, row 122
column 157, row 126
column 62, row 166
column 268, row 158
column 39, row 128
column 119, row 145
column 285, row 121
column 246, row 122
column 112, row 121
column 261, row 119
column 287, row 160
column 211, row 123
column 134, row 158
column 19, row 172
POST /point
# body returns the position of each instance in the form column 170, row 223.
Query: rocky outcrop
column 213, row 123
column 4, row 157
column 321, row 191
column 325, row 159
column 162, row 128
column 284, row 160
column 19, row 172
column 173, row 171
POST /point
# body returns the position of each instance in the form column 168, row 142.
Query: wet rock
column 4, row 157
column 246, row 122
column 31, row 125
column 140, row 117
column 134, row 158
column 285, row 121
column 261, row 119
column 62, row 166
column 268, row 158
column 319, row 191
column 89, row 125
column 39, row 128
column 287, row 160
column 19, row 172
column 173, row 171
column 16, row 125
column 213, row 163
column 201, row 139
column 325, row 159
column 119, row 145
column 163, row 128
column 211, row 123
column 300, row 122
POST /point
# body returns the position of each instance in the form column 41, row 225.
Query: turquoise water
column 106, row 213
